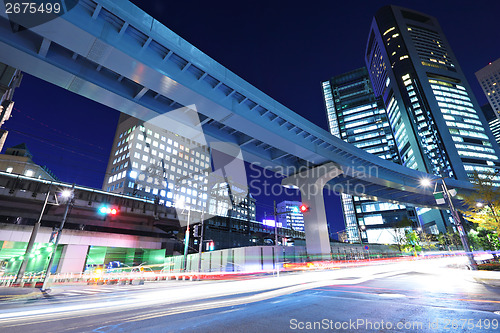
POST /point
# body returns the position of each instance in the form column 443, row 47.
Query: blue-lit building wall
column 289, row 215
column 435, row 118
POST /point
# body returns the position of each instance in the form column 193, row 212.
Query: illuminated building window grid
column 157, row 174
column 330, row 108
column 378, row 69
column 350, row 218
column 399, row 129
column 367, row 127
column 430, row 46
column 374, row 124
column 427, row 133
column 464, row 124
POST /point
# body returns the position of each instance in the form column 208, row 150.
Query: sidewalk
column 13, row 293
column 490, row 278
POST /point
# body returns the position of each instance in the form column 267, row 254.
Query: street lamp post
column 458, row 223
column 461, row 231
column 275, row 213
column 31, row 242
column 69, row 194
column 362, row 229
column 186, row 240
column 200, row 246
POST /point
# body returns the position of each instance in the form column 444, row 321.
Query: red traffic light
column 303, row 208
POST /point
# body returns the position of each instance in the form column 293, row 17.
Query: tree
column 453, row 238
column 399, row 235
column 483, row 207
column 485, row 239
column 412, row 241
column 443, row 241
column 427, row 240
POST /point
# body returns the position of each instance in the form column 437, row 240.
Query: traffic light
column 304, row 208
column 106, row 210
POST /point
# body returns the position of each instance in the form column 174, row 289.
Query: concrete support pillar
column 311, row 183
column 72, row 259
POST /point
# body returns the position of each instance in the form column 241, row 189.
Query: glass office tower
column 356, row 116
column 436, row 121
column 289, row 215
column 489, row 79
column 492, row 120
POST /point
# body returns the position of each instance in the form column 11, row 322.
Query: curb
column 12, row 294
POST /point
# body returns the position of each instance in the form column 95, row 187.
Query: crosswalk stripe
column 74, row 292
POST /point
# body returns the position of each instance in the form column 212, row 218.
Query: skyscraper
column 10, row 78
column 495, row 128
column 289, row 215
column 489, row 79
column 151, row 161
column 492, row 120
column 436, row 121
column 358, row 117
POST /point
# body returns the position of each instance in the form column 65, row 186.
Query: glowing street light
column 66, row 193
column 425, row 182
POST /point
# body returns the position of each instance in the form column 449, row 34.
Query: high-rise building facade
column 435, row 118
column 492, row 120
column 152, row 162
column 356, row 116
column 289, row 215
column 489, row 79
column 10, row 79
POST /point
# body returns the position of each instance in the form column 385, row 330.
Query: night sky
column 285, row 49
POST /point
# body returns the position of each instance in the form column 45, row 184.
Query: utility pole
column 200, row 247
column 31, row 242
column 59, row 232
column 186, row 240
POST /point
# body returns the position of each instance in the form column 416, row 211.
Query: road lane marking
column 416, row 297
column 121, row 305
column 407, row 304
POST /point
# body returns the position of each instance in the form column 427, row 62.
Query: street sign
column 439, row 196
column 367, row 247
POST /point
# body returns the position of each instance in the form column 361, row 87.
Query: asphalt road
column 402, row 297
